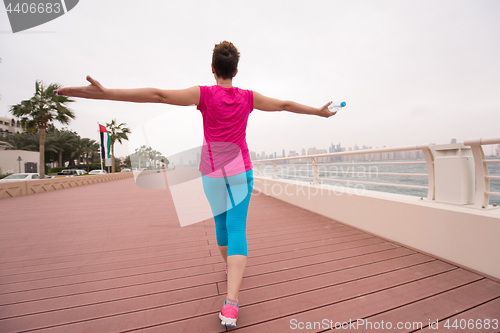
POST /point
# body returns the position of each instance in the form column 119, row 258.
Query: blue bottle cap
column 342, row 104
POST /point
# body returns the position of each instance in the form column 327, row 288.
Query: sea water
column 343, row 175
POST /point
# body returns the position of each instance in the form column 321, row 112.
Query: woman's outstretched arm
column 264, row 103
column 184, row 97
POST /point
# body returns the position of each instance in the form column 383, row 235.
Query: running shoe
column 229, row 313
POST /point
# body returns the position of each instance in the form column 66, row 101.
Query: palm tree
column 164, row 161
column 39, row 111
column 78, row 149
column 94, row 151
column 117, row 132
column 88, row 148
column 61, row 141
column 20, row 141
column 127, row 162
column 157, row 157
column 149, row 155
column 136, row 157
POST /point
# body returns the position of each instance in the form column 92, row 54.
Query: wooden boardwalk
column 111, row 257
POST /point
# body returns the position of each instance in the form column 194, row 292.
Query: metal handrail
column 481, row 166
column 358, row 163
column 379, row 173
column 483, row 179
column 429, row 161
column 364, row 182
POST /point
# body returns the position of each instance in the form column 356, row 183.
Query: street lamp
column 19, row 159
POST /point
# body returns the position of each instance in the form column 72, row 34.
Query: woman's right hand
column 94, row 90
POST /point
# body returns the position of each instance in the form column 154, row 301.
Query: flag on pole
column 105, row 145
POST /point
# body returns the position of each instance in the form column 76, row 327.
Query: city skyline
column 489, row 150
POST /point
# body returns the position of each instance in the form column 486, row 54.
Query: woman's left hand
column 325, row 112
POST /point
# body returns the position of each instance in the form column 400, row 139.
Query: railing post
column 257, row 167
column 429, row 161
column 275, row 176
column 482, row 183
column 316, row 172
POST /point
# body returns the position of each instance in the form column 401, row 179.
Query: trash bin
column 454, row 174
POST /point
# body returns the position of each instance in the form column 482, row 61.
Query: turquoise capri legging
column 229, row 198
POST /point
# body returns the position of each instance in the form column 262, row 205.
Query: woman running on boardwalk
column 225, row 162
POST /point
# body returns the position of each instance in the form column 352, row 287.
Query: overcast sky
column 411, row 72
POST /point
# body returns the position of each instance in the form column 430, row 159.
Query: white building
column 18, row 161
column 10, row 125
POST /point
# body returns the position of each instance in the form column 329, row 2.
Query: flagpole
column 100, row 140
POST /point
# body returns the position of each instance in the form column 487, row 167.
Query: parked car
column 73, row 172
column 21, row 176
column 126, row 170
column 68, row 173
column 97, row 172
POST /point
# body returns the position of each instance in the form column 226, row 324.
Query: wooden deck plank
column 37, row 272
column 140, row 319
column 64, row 270
column 487, row 313
column 259, row 243
column 441, row 306
column 28, row 317
column 168, row 270
column 164, row 256
column 300, row 295
column 261, row 317
column 350, row 304
column 391, row 258
column 164, row 314
column 52, row 264
column 174, row 244
column 9, row 244
column 128, row 251
column 72, row 301
column 171, row 245
column 277, row 265
column 287, row 237
column 196, row 276
column 91, row 253
column 158, row 286
column 79, row 268
column 108, row 295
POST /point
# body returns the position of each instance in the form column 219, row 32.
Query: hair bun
column 225, row 59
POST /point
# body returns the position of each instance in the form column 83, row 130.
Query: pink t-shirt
column 225, row 113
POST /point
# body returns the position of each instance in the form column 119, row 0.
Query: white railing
column 482, row 176
column 481, row 166
column 426, row 149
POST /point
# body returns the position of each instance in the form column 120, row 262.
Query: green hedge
column 56, row 170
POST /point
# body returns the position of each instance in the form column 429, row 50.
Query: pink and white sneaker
column 229, row 313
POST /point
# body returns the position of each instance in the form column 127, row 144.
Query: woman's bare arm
column 184, row 97
column 264, row 103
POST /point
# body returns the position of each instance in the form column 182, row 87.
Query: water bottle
column 336, row 106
